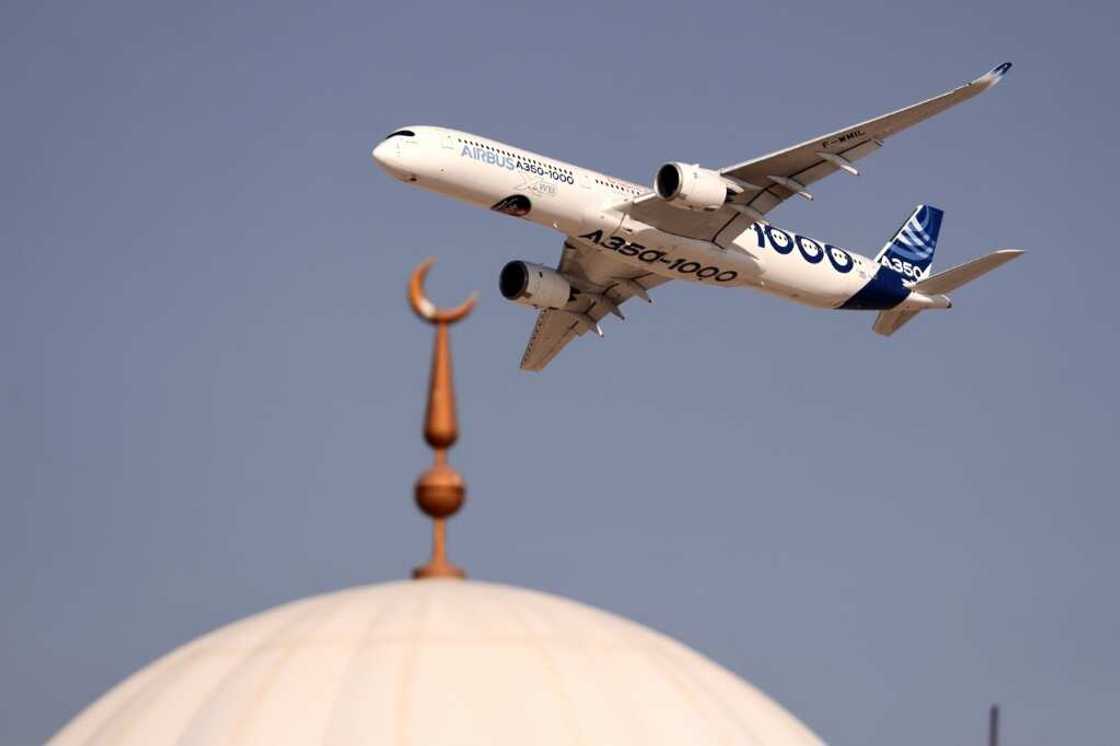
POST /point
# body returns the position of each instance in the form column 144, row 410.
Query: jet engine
column 534, row 285
column 691, row 187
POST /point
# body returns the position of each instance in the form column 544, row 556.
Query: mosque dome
column 437, row 661
column 434, row 663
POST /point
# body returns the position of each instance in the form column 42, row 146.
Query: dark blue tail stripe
column 884, row 290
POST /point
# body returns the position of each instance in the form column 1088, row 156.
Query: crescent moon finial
column 427, row 310
column 440, row 491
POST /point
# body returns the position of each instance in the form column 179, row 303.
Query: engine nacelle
column 534, row 285
column 690, row 187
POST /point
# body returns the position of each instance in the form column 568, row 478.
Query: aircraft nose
column 384, row 154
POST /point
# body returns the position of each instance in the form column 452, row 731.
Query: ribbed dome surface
column 434, row 663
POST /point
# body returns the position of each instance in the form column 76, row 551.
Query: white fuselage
column 587, row 204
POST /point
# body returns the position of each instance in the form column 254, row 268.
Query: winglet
column 993, row 76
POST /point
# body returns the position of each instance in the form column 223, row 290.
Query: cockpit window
column 402, row 133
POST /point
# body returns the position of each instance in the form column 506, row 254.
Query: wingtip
column 994, row 75
column 1010, row 253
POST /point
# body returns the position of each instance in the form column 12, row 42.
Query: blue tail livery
column 910, row 252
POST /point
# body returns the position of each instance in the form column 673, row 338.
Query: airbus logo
column 513, row 163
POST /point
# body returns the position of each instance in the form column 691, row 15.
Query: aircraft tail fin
column 888, row 322
column 910, row 250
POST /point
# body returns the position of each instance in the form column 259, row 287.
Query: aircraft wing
column 603, row 283
column 768, row 181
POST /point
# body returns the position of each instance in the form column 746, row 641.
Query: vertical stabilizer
column 910, row 251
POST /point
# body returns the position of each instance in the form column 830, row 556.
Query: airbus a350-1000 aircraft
column 697, row 224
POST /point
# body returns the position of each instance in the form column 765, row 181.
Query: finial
column 440, row 490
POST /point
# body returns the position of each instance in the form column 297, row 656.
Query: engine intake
column 691, row 187
column 534, row 285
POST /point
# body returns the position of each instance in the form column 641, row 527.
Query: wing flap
column 552, row 332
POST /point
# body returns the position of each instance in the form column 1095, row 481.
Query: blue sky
column 212, row 387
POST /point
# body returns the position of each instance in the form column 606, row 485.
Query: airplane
column 696, row 224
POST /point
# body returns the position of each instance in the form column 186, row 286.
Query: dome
column 434, row 663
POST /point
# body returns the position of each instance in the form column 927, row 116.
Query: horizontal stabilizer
column 951, row 279
column 889, row 322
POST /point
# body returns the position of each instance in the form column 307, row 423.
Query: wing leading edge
column 772, row 179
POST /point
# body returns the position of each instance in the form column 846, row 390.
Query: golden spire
column 440, row 490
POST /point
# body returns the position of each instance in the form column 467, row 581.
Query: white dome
column 434, row 663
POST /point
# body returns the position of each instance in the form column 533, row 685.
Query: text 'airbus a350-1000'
column 696, row 224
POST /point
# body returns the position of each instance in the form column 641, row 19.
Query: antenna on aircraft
column 993, row 725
